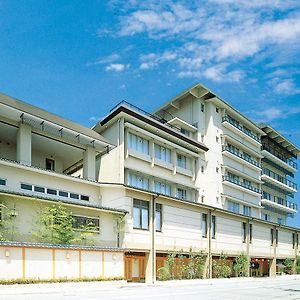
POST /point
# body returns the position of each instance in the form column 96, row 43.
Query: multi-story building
column 189, row 176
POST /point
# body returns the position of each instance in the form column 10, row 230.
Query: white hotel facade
column 195, row 174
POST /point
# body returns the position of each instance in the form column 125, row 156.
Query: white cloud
column 108, row 59
column 275, row 113
column 285, row 86
column 116, row 67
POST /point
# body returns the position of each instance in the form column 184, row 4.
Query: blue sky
column 79, row 58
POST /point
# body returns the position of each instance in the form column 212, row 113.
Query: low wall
column 50, row 262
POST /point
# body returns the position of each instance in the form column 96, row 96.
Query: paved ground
column 284, row 287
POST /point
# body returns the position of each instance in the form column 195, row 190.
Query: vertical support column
column 208, row 262
column 295, row 241
column 272, row 272
column 121, row 146
column 89, row 163
column 151, row 257
column 151, row 152
column 24, row 144
column 174, row 161
column 248, row 245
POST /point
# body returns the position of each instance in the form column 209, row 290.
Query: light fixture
column 7, row 253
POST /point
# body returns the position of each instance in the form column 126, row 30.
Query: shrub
column 241, row 266
column 163, row 274
column 288, row 266
column 221, row 268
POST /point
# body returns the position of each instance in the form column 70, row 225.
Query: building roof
column 198, row 90
column 152, row 120
column 36, row 112
column 280, row 139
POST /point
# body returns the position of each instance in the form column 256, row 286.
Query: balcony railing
column 280, row 201
column 288, row 161
column 279, row 178
column 242, row 184
column 237, row 125
column 242, row 156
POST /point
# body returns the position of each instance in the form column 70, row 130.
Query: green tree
column 8, row 229
column 241, row 266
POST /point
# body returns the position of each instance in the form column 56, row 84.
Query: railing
column 280, row 201
column 237, row 125
column 242, row 184
column 288, row 161
column 242, row 156
column 279, row 178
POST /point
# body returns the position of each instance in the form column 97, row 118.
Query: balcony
column 279, row 180
column 231, row 180
column 279, row 159
column 240, row 155
column 235, row 124
column 279, row 203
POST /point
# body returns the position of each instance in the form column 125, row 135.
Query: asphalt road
column 287, row 287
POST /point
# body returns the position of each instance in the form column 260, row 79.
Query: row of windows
column 50, row 191
column 163, row 188
column 141, row 145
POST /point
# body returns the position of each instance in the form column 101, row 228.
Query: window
column 140, row 214
column 294, row 236
column 250, row 233
column 181, row 193
column 247, row 211
column 217, row 109
column 276, row 233
column 51, row 192
column 39, row 189
column 162, row 153
column 181, row 161
column 138, row 143
column 279, row 221
column 244, row 232
column 202, row 107
column 234, row 207
column 217, row 139
column 247, row 182
column 74, row 196
column 63, row 194
column 138, row 181
column 2, row 181
column 158, row 217
column 202, row 169
column 213, row 227
column 49, row 164
column 25, row 186
column 86, row 223
column 162, row 188
column 85, row 198
column 233, row 177
column 185, row 131
column 266, row 217
column 204, row 225
column 272, row 236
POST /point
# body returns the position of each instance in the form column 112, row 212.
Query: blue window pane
column 145, row 219
column 136, row 217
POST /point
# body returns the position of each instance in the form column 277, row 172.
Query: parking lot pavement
column 284, row 287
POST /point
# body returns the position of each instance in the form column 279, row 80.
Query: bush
column 288, row 266
column 163, row 274
column 221, row 268
column 241, row 266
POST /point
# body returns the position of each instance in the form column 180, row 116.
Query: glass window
column 233, row 206
column 138, row 143
column 140, row 214
column 279, row 221
column 50, row 164
column 138, row 181
column 85, row 198
column 181, row 161
column 81, row 222
column 185, row 131
column 271, row 236
column 244, row 232
column 39, row 189
column 204, row 225
column 266, row 217
column 74, row 196
column 2, row 181
column 162, row 153
column 25, row 186
column 250, row 233
column 247, row 210
column 51, row 192
column 162, row 188
column 181, row 193
column 158, row 216
column 213, row 227
column 63, row 194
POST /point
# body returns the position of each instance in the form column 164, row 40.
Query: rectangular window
column 162, row 188
column 85, row 198
column 86, row 223
column 181, row 161
column 294, row 240
column 204, row 225
column 2, row 181
column 272, row 236
column 25, row 186
column 276, row 233
column 162, row 153
column 39, row 189
column 279, row 221
column 138, row 143
column 140, row 214
column 50, row 164
column 51, row 192
column 266, row 217
column 138, row 181
column 244, row 232
column 74, row 196
column 181, row 193
column 213, row 227
column 217, row 109
column 234, row 207
column 158, row 217
column 202, row 107
column 63, row 194
column 250, row 233
column 247, row 211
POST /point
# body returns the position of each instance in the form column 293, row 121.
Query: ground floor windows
column 140, row 214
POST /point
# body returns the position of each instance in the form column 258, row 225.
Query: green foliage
column 288, row 266
column 220, row 267
column 8, row 229
column 241, row 266
column 163, row 273
column 298, row 265
column 170, row 263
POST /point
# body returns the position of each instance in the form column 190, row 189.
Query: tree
column 8, row 229
column 241, row 266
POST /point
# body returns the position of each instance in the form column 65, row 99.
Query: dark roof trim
column 152, row 123
column 59, row 246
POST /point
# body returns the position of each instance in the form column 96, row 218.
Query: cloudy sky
column 79, row 58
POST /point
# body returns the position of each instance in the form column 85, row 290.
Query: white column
column 89, row 163
column 24, row 144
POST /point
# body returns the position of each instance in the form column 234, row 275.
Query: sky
column 79, row 58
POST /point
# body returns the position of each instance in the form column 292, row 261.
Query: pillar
column 24, row 144
column 89, row 163
column 272, row 271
